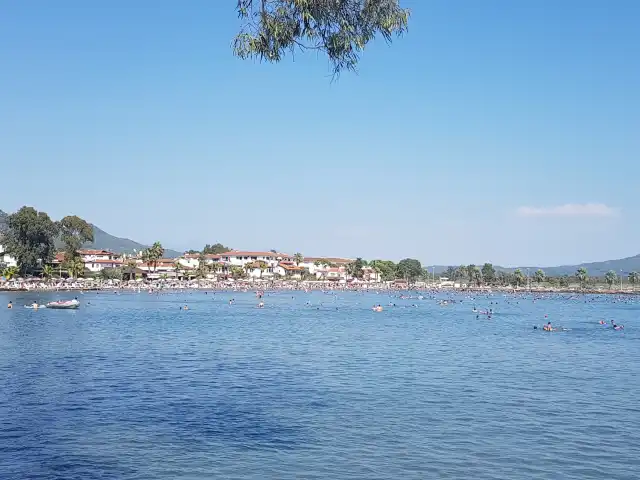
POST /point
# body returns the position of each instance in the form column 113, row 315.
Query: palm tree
column 461, row 272
column 539, row 276
column 156, row 252
column 131, row 264
column 582, row 276
column 75, row 267
column 262, row 266
column 10, row 272
column 610, row 277
column 298, row 258
column 177, row 267
column 518, row 277
column 248, row 267
column 47, row 272
column 236, row 271
column 634, row 277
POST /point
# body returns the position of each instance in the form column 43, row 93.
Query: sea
column 318, row 386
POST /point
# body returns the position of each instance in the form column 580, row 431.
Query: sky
column 494, row 131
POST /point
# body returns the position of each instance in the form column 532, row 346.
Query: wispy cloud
column 570, row 210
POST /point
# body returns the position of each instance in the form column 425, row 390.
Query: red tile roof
column 95, row 252
column 288, row 266
column 115, row 262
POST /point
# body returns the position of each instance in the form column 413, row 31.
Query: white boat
column 65, row 305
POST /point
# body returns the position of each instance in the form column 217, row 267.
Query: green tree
column 153, row 254
column 473, row 273
column 298, row 258
column 75, row 267
column 539, row 276
column 340, row 29
column 215, row 249
column 47, row 272
column 563, row 281
column 29, row 238
column 461, row 272
column 518, row 278
column 111, row 274
column 610, row 277
column 237, row 272
column 488, row 273
column 10, row 273
column 450, row 273
column 634, row 277
column 387, row 269
column 409, row 269
column 262, row 266
column 582, row 276
column 177, row 266
column 354, row 269
column 203, row 268
column 74, row 231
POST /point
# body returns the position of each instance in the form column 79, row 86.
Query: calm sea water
column 131, row 387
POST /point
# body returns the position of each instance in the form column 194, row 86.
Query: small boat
column 64, row 305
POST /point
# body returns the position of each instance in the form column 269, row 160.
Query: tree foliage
column 518, row 278
column 9, row 272
column 388, row 270
column 488, row 273
column 74, row 231
column 582, row 276
column 29, row 238
column 339, row 28
column 111, row 274
column 355, row 268
column 610, row 277
column 152, row 255
column 74, row 267
column 215, row 249
column 409, row 269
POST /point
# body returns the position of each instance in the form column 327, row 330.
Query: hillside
column 594, row 269
column 103, row 240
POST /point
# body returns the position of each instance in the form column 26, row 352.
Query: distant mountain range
column 103, row 240
column 595, row 269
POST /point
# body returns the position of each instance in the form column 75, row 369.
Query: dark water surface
column 131, row 387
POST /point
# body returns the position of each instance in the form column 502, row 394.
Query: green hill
column 103, row 240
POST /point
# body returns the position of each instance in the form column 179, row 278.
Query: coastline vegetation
column 30, row 237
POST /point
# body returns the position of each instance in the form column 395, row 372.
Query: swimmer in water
column 10, row 305
column 261, row 305
column 548, row 327
column 186, row 307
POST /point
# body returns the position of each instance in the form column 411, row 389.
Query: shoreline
column 220, row 286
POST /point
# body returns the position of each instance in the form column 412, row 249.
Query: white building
column 165, row 267
column 6, row 260
column 242, row 258
column 99, row 264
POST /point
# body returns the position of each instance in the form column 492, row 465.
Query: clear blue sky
column 482, row 135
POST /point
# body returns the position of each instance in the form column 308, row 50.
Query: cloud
column 570, row 210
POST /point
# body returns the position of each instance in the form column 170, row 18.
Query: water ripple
column 131, row 387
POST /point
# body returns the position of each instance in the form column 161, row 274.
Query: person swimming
column 261, row 305
column 548, row 327
column 10, row 305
